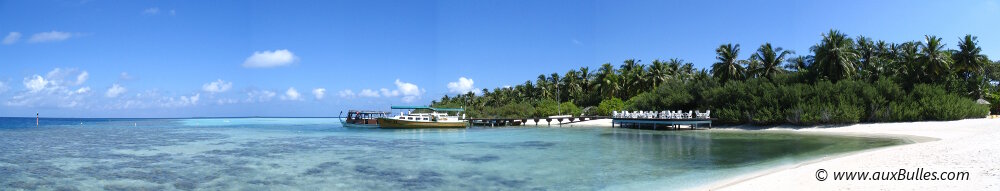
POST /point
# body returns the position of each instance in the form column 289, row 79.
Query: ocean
column 320, row 154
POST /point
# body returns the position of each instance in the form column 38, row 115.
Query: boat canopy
column 367, row 112
column 430, row 108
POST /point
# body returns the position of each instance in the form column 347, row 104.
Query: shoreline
column 958, row 146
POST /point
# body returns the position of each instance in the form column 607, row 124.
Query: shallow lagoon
column 317, row 153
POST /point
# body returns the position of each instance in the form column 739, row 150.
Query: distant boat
column 357, row 118
column 437, row 118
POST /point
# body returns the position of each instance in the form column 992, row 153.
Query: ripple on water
column 234, row 158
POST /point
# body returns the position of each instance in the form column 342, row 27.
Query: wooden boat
column 434, row 119
column 356, row 118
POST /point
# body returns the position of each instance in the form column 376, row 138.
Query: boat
column 358, row 118
column 435, row 118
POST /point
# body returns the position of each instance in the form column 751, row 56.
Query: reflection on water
column 281, row 154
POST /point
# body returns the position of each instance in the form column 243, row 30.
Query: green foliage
column 760, row 102
column 547, row 108
column 936, row 104
column 845, row 80
column 835, row 57
column 729, row 66
column 608, row 105
column 516, row 110
column 568, row 108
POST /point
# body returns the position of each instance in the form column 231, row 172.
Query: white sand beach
column 971, row 146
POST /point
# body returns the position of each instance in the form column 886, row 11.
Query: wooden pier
column 501, row 122
column 668, row 124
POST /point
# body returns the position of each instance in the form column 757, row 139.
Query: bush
column 516, row 110
column 761, row 102
column 568, row 108
column 547, row 108
column 936, row 104
column 671, row 95
column 606, row 107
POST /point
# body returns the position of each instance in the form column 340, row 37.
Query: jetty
column 501, row 122
column 668, row 120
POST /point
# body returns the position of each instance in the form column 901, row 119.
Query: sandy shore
column 971, row 146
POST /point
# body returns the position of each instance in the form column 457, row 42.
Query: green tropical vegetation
column 843, row 80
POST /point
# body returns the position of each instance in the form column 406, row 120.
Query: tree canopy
column 843, row 80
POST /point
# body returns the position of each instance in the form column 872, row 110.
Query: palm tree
column 970, row 64
column 631, row 77
column 607, row 81
column 544, row 91
column 799, row 63
column 867, row 58
column 835, row 57
column 658, row 72
column 555, row 86
column 729, row 67
column 571, row 84
column 674, row 68
column 769, row 60
column 686, row 71
column 585, row 78
column 935, row 60
column 907, row 64
column 968, row 60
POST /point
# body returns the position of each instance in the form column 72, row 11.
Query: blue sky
column 101, row 58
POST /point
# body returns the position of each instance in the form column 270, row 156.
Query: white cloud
column 260, row 96
column 67, row 77
column 153, row 99
column 368, row 93
column 82, row 77
column 319, row 93
column 115, row 90
column 55, row 89
column 179, row 101
column 3, row 87
column 173, row 12
column 218, row 86
column 151, row 11
column 577, row 42
column 51, row 36
column 12, row 38
column 35, row 83
column 82, row 90
column 410, row 91
column 269, row 59
column 124, row 76
column 184, row 101
column 463, row 85
column 223, row 101
column 389, row 93
column 346, row 93
column 291, row 94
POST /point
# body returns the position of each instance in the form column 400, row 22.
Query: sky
column 98, row 58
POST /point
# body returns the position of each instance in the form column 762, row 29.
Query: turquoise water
column 317, row 153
